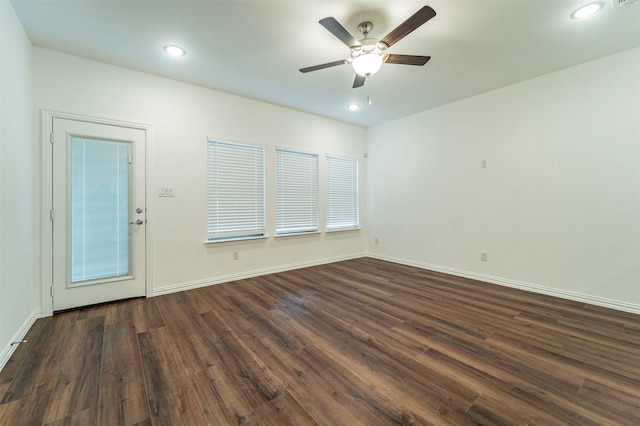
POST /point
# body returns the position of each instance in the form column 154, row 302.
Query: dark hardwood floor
column 361, row 342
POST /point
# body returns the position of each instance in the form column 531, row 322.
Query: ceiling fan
column 368, row 54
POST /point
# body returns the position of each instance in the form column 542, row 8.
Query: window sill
column 330, row 231
column 235, row 240
column 298, row 234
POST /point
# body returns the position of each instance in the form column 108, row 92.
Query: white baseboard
column 550, row 291
column 22, row 331
column 250, row 274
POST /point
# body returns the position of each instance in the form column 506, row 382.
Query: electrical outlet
column 376, row 241
column 236, row 255
column 483, row 164
column 484, row 257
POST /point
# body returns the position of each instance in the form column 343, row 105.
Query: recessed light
column 586, row 10
column 353, row 107
column 174, row 50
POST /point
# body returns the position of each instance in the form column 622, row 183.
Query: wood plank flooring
column 360, row 342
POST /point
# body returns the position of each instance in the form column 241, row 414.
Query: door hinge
column 130, row 159
column 51, row 214
column 51, row 137
column 51, row 291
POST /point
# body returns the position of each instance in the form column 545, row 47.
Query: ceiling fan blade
column 414, row 21
column 407, row 59
column 323, row 66
column 339, row 31
column 359, row 81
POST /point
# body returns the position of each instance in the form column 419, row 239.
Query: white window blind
column 235, row 191
column 296, row 192
column 342, row 193
column 99, row 209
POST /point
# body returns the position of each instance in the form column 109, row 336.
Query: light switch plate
column 166, row 191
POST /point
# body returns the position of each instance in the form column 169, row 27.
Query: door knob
column 137, row 222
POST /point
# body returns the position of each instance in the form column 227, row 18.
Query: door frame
column 47, row 117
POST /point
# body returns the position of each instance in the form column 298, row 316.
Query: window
column 100, row 176
column 296, row 192
column 342, row 193
column 235, row 191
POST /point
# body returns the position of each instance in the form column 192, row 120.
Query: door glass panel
column 100, row 244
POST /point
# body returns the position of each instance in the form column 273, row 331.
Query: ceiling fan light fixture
column 367, row 64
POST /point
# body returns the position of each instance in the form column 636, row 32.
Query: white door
column 98, row 213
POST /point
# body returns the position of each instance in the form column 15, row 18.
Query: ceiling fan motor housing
column 369, row 46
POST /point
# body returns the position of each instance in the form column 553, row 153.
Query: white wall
column 182, row 116
column 558, row 208
column 19, row 230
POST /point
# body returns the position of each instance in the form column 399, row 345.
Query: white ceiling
column 255, row 48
